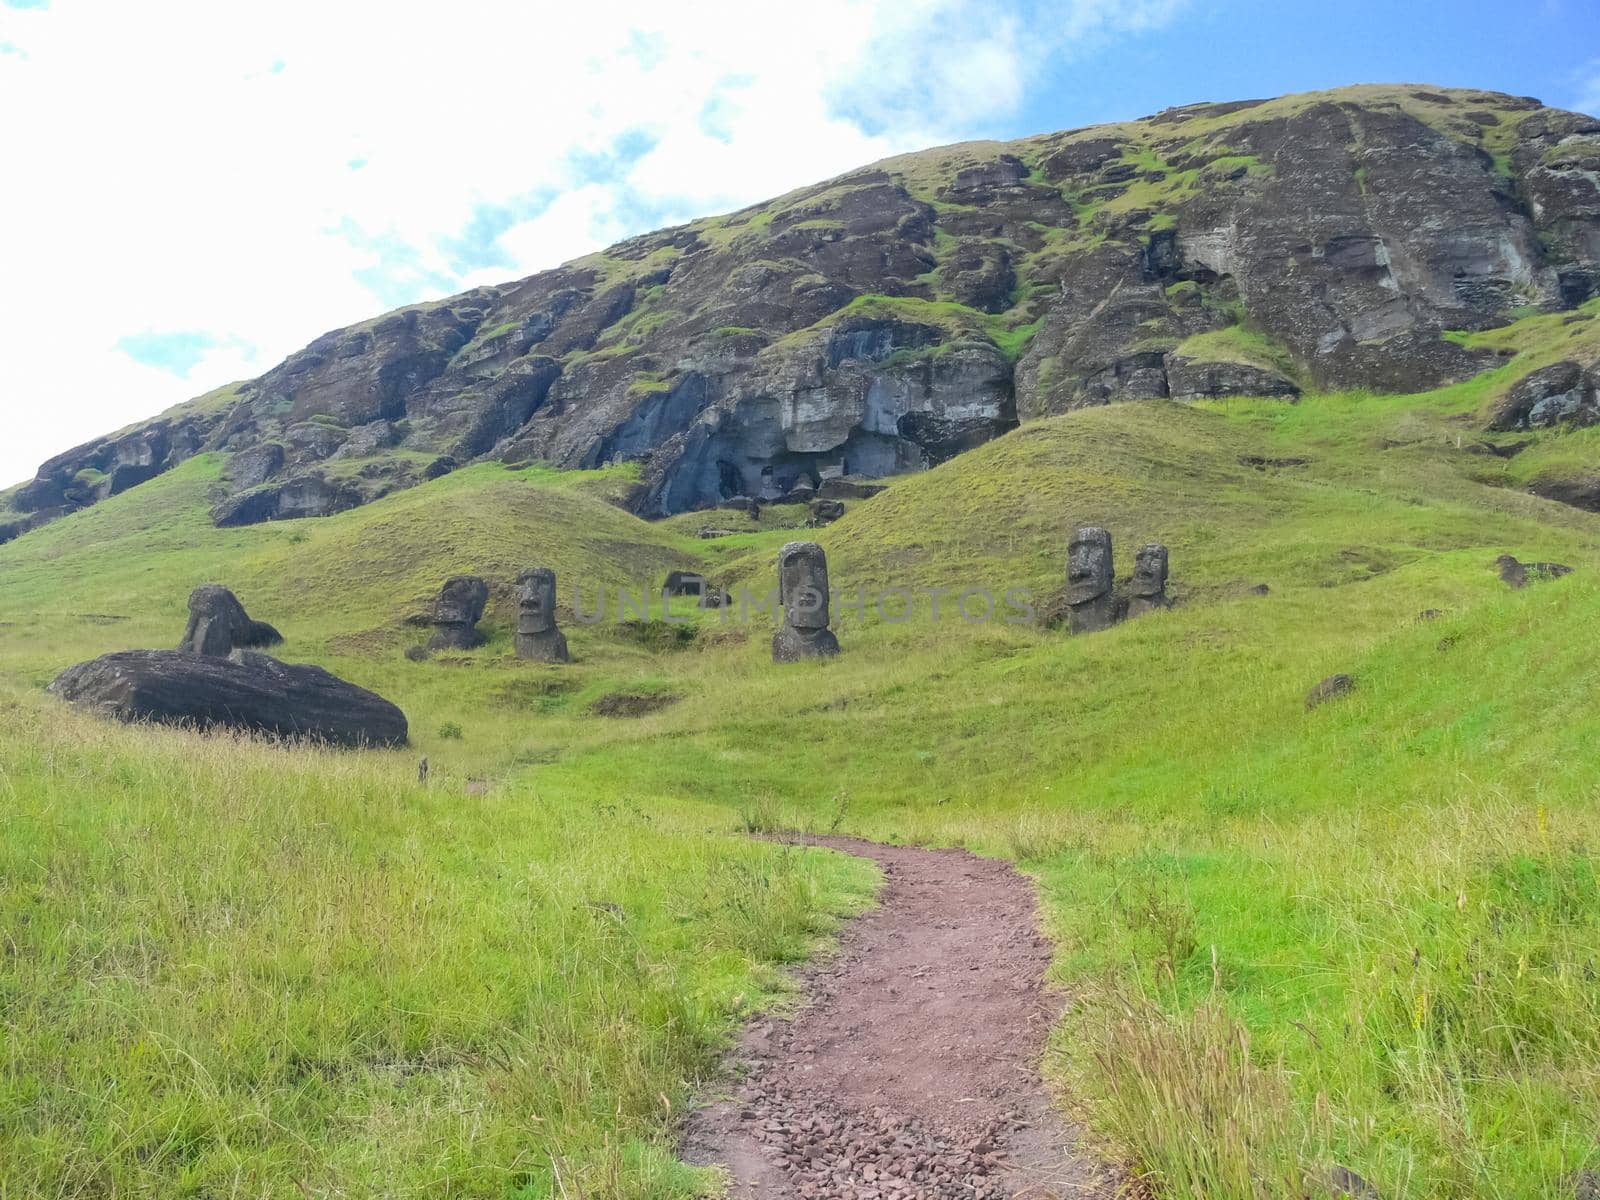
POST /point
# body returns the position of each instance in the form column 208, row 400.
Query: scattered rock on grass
column 1330, row 688
column 1342, row 1181
column 825, row 512
column 1520, row 574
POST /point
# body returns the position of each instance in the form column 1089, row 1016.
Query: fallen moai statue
column 246, row 691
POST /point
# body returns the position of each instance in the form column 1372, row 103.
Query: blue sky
column 196, row 190
column 1237, row 49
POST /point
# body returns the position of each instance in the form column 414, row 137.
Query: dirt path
column 913, row 1073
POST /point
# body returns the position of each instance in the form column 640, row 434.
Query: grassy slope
column 1393, row 896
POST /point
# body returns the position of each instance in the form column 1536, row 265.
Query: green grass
column 1240, row 344
column 1363, row 935
column 239, row 970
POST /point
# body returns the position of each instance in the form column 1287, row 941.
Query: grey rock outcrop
column 109, row 466
column 825, row 512
column 803, row 593
column 1330, row 688
column 456, row 613
column 1091, row 602
column 218, row 624
column 1192, row 379
column 246, row 691
column 537, row 638
column 1562, row 393
column 884, row 320
column 1147, row 591
column 684, row 583
column 304, row 496
column 1517, row 574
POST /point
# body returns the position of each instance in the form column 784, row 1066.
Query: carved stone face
column 803, row 585
column 1088, row 565
column 461, row 601
column 1150, row 571
column 536, row 601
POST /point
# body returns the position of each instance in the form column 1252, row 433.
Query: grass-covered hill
column 906, row 311
column 1364, row 934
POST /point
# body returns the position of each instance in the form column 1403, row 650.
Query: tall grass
column 1361, row 938
column 238, row 969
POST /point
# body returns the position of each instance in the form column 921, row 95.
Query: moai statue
column 1091, row 604
column 1148, row 589
column 537, row 635
column 803, row 592
column 218, row 624
column 456, row 614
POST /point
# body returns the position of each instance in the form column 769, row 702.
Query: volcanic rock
column 882, row 321
column 1330, row 688
column 1520, row 574
column 246, row 691
column 456, row 614
column 1091, row 604
column 1553, row 395
column 538, row 639
column 803, row 593
column 219, row 625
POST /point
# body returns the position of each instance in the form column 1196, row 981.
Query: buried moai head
column 1147, row 590
column 461, row 601
column 803, row 585
column 536, row 601
column 456, row 613
column 1091, row 605
column 1150, row 571
column 1089, row 573
column 218, row 624
column 537, row 636
column 803, row 592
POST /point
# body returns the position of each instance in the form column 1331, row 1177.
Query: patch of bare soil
column 628, row 704
column 913, row 1071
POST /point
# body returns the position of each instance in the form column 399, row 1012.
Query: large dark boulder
column 219, row 625
column 1517, row 574
column 246, row 691
column 1558, row 394
column 303, row 496
column 1188, row 379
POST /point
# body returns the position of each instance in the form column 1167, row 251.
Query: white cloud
column 1589, row 92
column 260, row 174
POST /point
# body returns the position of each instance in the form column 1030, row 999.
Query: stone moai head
column 1150, row 571
column 214, row 616
column 461, row 601
column 536, row 601
column 1089, row 574
column 803, row 585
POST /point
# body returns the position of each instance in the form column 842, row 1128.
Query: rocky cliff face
column 900, row 314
